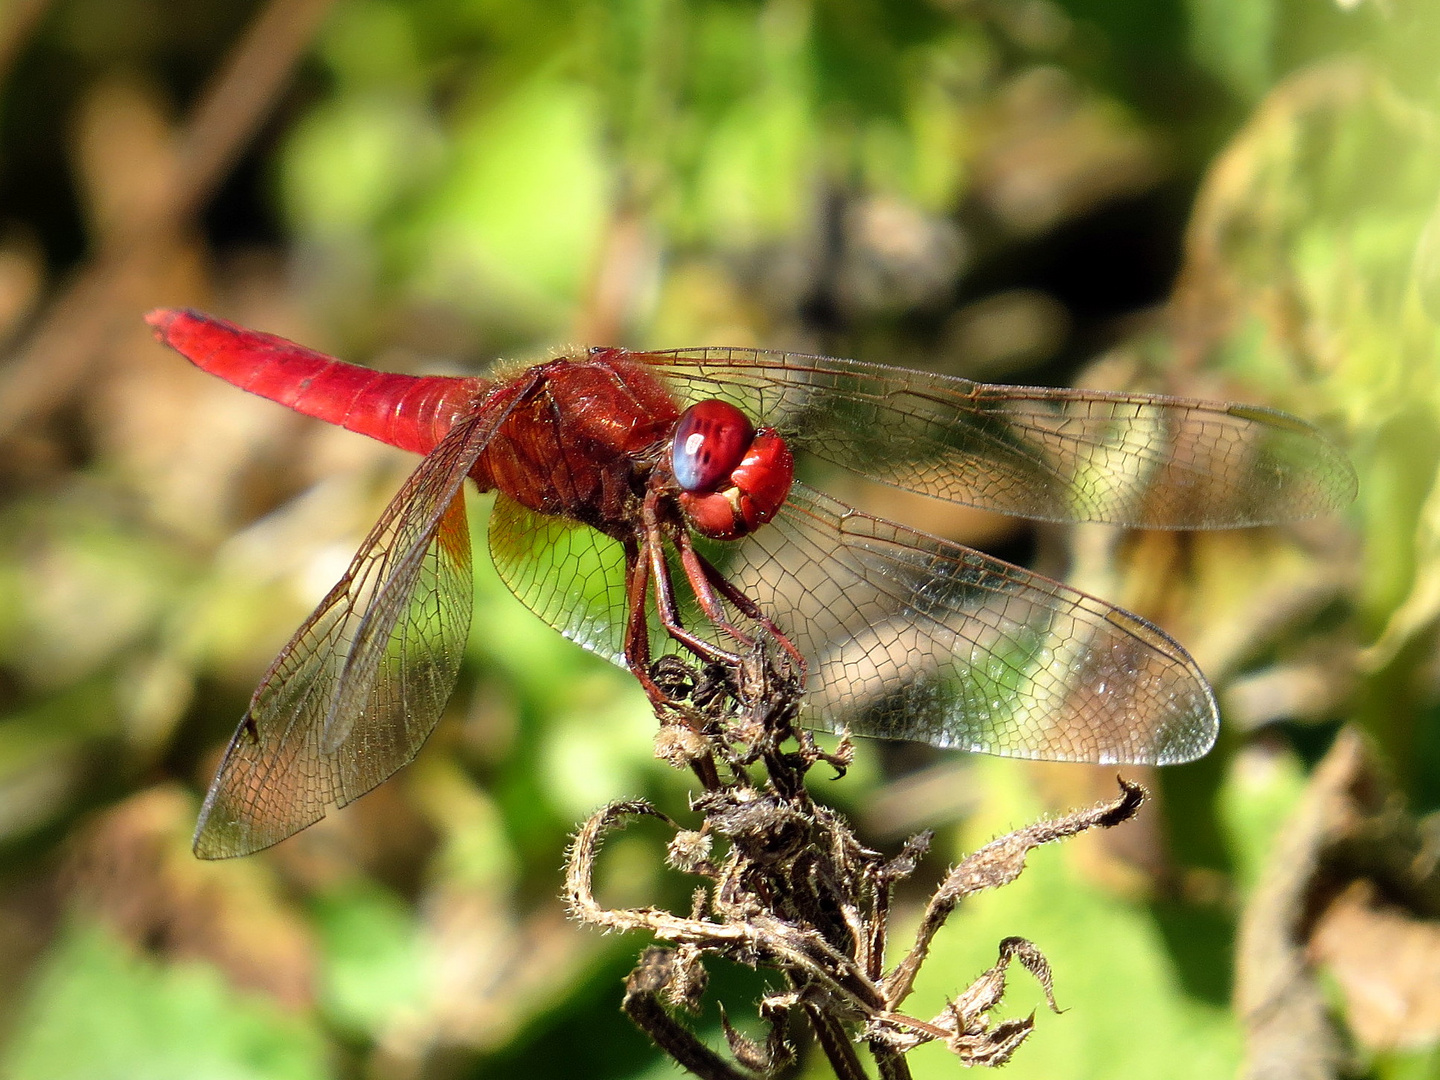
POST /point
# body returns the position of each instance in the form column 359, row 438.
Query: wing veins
column 1217, row 439
column 243, row 785
column 1032, row 584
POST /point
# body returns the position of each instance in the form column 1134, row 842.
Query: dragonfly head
column 732, row 478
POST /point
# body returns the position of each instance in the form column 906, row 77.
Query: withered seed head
column 764, row 826
column 678, row 746
column 798, row 893
column 688, row 850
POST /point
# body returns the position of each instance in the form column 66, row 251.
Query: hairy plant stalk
column 788, row 887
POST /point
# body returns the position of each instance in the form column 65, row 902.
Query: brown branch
column 240, row 97
column 1349, row 842
column 108, row 290
column 21, row 19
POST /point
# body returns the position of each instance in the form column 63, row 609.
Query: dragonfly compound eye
column 710, row 442
column 756, row 490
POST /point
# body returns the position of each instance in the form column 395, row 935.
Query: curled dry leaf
column 791, row 889
column 1350, row 842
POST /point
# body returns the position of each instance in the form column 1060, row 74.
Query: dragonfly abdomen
column 408, row 411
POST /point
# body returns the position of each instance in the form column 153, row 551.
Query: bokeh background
column 1225, row 198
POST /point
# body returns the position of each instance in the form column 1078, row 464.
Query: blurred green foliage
column 1103, row 950
column 1213, row 197
column 98, row 1010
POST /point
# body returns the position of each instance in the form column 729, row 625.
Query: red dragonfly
column 622, row 474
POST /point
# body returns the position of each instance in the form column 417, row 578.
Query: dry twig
column 790, row 888
column 1355, row 877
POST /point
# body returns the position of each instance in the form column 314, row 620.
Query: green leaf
column 98, row 1011
column 376, row 963
column 1233, row 39
column 515, row 226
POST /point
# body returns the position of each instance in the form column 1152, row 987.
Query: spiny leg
column 665, row 604
column 704, row 591
column 638, row 566
column 707, row 581
column 637, row 627
column 669, row 611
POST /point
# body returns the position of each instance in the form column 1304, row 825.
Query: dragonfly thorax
column 581, row 439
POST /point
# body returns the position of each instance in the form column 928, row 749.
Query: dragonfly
column 646, row 505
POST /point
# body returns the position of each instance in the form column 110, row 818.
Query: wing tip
column 217, row 839
column 233, row 839
column 1346, row 481
column 1181, row 740
column 210, row 844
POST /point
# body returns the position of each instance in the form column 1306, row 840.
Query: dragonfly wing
column 908, row 636
column 912, row 637
column 570, row 575
column 364, row 681
column 573, row 577
column 1044, row 453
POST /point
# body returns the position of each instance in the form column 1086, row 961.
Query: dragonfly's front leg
column 665, row 604
column 710, row 586
column 640, row 563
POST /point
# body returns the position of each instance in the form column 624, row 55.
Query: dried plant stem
column 835, row 1044
column 999, row 863
column 642, row 1005
column 790, row 888
column 892, row 1064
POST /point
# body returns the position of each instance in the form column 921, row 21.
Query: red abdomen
column 408, row 411
column 570, row 446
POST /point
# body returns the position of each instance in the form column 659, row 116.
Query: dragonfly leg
column 638, row 566
column 704, row 590
column 669, row 611
column 707, row 582
column 637, row 629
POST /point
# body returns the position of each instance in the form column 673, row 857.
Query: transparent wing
column 912, row 637
column 1049, row 454
column 569, row 574
column 573, row 577
column 908, row 636
column 364, row 681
